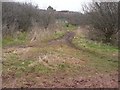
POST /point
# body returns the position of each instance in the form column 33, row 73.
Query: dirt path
column 24, row 48
column 59, row 79
column 66, row 39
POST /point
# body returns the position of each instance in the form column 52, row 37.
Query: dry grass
column 40, row 35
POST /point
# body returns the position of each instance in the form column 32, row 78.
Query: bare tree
column 104, row 17
column 17, row 15
column 44, row 18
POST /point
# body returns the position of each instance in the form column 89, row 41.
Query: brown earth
column 58, row 79
column 61, row 80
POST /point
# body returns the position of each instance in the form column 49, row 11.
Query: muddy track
column 108, row 81
column 66, row 39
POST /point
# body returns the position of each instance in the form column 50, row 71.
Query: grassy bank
column 19, row 40
column 102, row 57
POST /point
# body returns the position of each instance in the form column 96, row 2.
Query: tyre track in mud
column 66, row 39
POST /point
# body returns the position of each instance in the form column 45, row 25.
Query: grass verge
column 102, row 57
column 10, row 41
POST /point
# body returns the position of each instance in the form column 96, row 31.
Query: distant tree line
column 16, row 16
column 74, row 18
column 22, row 16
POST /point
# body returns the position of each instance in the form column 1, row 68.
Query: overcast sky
column 71, row 5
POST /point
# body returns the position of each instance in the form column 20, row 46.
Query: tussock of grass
column 20, row 39
column 55, row 35
column 19, row 67
column 45, row 35
column 63, row 66
column 70, row 27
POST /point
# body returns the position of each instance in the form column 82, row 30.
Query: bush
column 103, row 16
